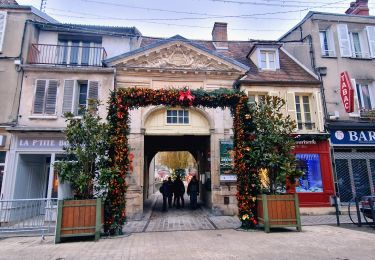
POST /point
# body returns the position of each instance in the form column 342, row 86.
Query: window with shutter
column 51, row 95
column 344, row 40
column 371, row 39
column 68, row 101
column 45, row 97
column 39, row 97
column 3, row 18
column 77, row 95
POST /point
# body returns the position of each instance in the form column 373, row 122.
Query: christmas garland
column 123, row 100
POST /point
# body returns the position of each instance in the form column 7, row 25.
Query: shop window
column 177, row 116
column 311, row 181
column 2, row 166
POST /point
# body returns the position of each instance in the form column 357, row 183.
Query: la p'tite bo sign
column 346, row 92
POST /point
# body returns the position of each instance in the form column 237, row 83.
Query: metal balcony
column 66, row 55
column 306, row 125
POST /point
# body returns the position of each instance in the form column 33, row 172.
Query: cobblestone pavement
column 200, row 219
column 315, row 242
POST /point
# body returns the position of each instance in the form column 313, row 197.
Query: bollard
column 337, row 210
column 358, row 212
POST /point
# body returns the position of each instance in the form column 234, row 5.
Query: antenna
column 43, row 4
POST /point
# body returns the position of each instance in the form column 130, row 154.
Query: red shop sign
column 346, row 92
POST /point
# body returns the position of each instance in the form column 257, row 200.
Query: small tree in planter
column 87, row 170
column 272, row 153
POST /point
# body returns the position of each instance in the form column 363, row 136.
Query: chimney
column 220, row 36
column 359, row 7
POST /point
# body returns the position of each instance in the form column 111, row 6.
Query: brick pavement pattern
column 315, row 242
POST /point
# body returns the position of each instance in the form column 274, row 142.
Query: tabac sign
column 346, row 92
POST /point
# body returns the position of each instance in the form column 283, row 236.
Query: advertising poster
column 227, row 161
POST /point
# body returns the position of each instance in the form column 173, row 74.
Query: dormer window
column 268, row 59
column 265, row 56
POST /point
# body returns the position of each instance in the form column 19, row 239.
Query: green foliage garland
column 123, row 100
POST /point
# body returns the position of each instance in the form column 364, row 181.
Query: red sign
column 346, row 92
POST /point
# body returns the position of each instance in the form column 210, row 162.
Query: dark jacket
column 164, row 189
column 193, row 187
column 179, row 187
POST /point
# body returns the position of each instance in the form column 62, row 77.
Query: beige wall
column 26, row 116
column 362, row 70
column 10, row 74
column 287, row 93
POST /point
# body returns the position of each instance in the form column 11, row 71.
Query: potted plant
column 86, row 170
column 276, row 164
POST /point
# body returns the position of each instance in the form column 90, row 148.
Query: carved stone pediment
column 178, row 56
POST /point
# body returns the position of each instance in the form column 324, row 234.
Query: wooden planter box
column 79, row 218
column 278, row 211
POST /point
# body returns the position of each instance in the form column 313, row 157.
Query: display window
column 311, row 180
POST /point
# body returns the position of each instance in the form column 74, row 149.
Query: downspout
column 21, row 70
column 320, row 71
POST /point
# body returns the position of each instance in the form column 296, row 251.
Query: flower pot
column 278, row 211
column 79, row 218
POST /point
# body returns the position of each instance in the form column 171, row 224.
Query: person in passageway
column 179, row 191
column 193, row 192
column 171, row 188
column 164, row 190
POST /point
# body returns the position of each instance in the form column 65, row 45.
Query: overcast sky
column 247, row 19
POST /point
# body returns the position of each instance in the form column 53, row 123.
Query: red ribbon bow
column 186, row 95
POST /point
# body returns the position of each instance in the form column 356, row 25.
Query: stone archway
column 119, row 118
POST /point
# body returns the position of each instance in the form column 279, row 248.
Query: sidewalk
column 315, row 242
column 201, row 219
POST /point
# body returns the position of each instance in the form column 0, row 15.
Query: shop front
column 316, row 186
column 30, row 173
column 354, row 160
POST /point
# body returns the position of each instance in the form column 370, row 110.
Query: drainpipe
column 321, row 72
column 20, row 68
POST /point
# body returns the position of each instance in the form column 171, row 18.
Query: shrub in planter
column 86, row 169
column 271, row 152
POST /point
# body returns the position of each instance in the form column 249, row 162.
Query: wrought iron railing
column 68, row 55
column 367, row 114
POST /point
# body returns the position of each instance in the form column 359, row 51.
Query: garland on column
column 124, row 100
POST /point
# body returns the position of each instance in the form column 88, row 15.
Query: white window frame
column 177, row 111
column 276, row 57
column 257, row 96
column 75, row 95
column 2, row 33
column 68, row 48
column 361, row 54
column 44, row 115
column 303, row 112
column 360, row 95
column 330, row 52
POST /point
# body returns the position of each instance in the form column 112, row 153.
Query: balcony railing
column 67, row 55
column 367, row 114
column 306, row 125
